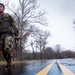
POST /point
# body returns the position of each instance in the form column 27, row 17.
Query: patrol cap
column 2, row 5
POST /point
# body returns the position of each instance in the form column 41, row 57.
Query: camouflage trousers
column 6, row 45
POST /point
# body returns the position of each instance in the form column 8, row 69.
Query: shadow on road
column 16, row 69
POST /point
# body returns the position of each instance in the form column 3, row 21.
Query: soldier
column 7, row 30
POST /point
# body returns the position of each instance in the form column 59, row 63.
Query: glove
column 17, row 37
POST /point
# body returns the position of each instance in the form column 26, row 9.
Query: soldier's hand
column 16, row 37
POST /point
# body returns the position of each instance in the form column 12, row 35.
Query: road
column 43, row 67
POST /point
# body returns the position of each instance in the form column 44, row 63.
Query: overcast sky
column 60, row 16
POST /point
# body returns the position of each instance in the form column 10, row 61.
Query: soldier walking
column 7, row 30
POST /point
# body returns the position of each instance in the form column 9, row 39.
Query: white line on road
column 46, row 69
column 65, row 70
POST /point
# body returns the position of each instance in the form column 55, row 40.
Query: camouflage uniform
column 7, row 29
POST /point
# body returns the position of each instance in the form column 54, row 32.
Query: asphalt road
column 33, row 67
column 30, row 68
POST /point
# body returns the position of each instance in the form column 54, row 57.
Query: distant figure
column 7, row 30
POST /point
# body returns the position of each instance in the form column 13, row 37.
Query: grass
column 2, row 62
column 13, row 62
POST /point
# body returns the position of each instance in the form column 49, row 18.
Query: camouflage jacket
column 7, row 24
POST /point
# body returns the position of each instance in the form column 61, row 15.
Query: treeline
column 49, row 53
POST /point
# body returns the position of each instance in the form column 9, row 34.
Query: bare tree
column 57, row 50
column 27, row 15
column 48, row 53
column 40, row 37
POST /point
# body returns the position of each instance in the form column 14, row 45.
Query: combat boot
column 9, row 63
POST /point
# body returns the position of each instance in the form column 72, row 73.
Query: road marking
column 65, row 70
column 46, row 69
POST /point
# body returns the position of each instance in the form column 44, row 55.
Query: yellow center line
column 65, row 70
column 46, row 69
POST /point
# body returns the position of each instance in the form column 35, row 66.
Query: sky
column 60, row 15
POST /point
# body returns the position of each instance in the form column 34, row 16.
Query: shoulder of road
column 14, row 62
